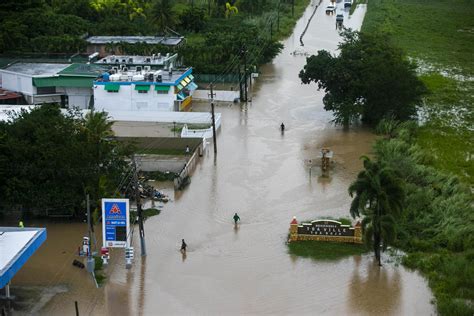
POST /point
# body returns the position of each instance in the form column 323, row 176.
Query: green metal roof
column 162, row 88
column 112, row 87
column 142, row 87
column 88, row 70
column 60, row 81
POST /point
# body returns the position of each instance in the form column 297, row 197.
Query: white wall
column 18, row 83
column 78, row 97
column 129, row 99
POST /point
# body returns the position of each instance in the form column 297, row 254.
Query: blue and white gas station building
column 17, row 245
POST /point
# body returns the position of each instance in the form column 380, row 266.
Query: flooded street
column 265, row 177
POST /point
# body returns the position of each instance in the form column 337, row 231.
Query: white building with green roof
column 68, row 84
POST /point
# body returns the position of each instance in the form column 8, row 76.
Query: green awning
column 112, row 87
column 162, row 88
column 142, row 87
column 63, row 81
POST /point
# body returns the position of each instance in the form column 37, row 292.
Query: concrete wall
column 77, row 97
column 18, row 83
column 128, row 99
column 160, row 163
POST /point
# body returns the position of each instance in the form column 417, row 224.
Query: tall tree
column 370, row 79
column 162, row 14
column 378, row 196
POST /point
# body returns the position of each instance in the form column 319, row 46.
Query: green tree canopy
column 370, row 79
column 378, row 196
column 50, row 160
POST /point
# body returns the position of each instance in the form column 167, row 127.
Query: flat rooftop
column 155, row 60
column 166, row 78
column 17, row 245
column 169, row 41
column 37, row 69
column 163, row 117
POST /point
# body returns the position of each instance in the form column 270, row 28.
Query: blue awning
column 20, row 244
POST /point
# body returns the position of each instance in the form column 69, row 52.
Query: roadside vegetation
column 325, row 251
column 436, row 226
column 218, row 32
column 370, row 79
column 416, row 193
column 49, row 161
column 438, row 35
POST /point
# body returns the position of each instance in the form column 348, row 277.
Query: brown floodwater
column 264, row 176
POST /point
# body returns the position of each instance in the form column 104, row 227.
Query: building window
column 112, row 91
column 161, row 92
column 142, row 91
column 46, row 90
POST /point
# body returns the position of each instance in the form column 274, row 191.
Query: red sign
column 115, row 210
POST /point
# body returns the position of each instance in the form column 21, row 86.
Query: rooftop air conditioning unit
column 124, row 69
column 139, row 69
column 130, row 60
column 147, row 68
column 159, row 78
column 148, row 60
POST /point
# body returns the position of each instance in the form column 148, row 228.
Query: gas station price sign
column 115, row 223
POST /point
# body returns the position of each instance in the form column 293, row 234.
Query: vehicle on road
column 347, row 3
column 340, row 17
column 330, row 9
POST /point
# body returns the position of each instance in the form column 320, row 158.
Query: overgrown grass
column 329, row 251
column 160, row 176
column 162, row 151
column 438, row 35
column 439, row 32
column 99, row 277
column 147, row 213
column 436, row 228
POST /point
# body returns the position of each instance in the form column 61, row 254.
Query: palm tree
column 162, row 14
column 379, row 197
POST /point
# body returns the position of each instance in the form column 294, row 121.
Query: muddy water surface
column 265, row 177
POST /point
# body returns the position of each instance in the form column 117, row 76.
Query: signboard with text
column 115, row 223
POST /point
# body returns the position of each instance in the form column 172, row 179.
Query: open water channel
column 264, row 176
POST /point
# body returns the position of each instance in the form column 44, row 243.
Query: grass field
column 439, row 36
column 325, row 251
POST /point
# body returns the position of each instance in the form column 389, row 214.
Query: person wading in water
column 236, row 218
column 183, row 246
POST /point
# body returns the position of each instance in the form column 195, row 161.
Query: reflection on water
column 374, row 284
column 262, row 176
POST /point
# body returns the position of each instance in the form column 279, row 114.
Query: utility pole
column 271, row 30
column 278, row 16
column 139, row 211
column 213, row 120
column 90, row 260
column 241, row 95
column 245, row 73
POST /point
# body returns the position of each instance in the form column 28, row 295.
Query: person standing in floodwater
column 183, row 246
column 282, row 127
column 236, row 218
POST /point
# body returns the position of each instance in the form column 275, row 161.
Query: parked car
column 347, row 3
column 330, row 9
column 339, row 17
